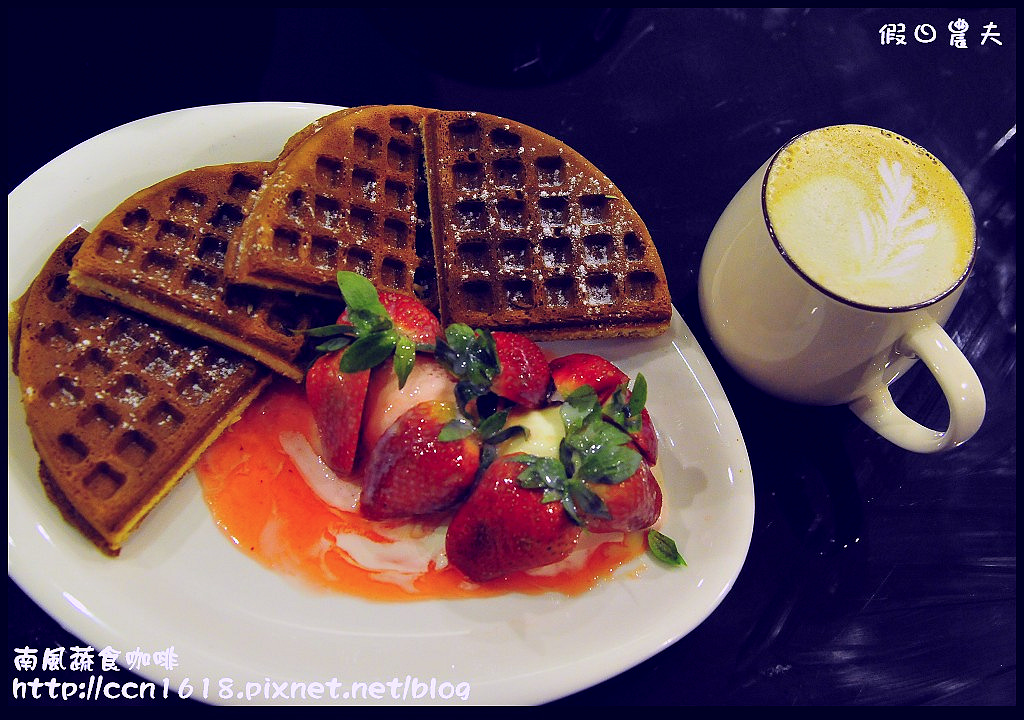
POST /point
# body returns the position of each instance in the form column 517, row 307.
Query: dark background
column 875, row 576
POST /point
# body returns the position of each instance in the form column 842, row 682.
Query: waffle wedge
column 346, row 195
column 529, row 236
column 162, row 252
column 119, row 406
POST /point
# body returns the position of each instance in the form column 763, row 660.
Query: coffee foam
column 869, row 216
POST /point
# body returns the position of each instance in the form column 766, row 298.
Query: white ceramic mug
column 832, row 271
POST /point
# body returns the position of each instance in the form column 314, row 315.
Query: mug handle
column 958, row 381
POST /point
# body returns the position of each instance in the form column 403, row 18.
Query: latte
column 869, row 216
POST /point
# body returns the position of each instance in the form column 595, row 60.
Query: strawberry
column 571, row 372
column 627, row 409
column 524, row 376
column 633, row 504
column 503, row 527
column 410, row 317
column 336, row 399
column 386, row 401
column 646, row 438
column 411, row 471
column 378, row 326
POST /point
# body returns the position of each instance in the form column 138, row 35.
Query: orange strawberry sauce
column 261, row 501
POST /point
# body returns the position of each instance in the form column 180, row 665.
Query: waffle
column 529, row 236
column 347, row 195
column 162, row 252
column 118, row 406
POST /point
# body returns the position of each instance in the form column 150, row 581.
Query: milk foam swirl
column 893, row 236
column 869, row 216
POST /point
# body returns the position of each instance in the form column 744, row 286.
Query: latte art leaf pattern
column 892, row 237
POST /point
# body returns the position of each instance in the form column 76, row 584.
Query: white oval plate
column 180, row 584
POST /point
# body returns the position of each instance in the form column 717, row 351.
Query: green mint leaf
column 488, row 454
column 472, row 357
column 366, row 322
column 586, row 501
column 568, row 457
column 456, row 429
column 610, row 465
column 330, row 330
column 572, row 417
column 506, row 434
column 638, row 398
column 584, row 398
column 335, row 343
column 542, row 472
column 405, row 358
column 551, row 496
column 595, row 436
column 570, row 509
column 492, row 425
column 362, row 304
column 459, row 336
column 615, row 407
column 664, row 549
column 368, row 351
column 358, row 291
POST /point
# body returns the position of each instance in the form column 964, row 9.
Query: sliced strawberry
column 503, row 527
column 646, row 438
column 524, row 376
column 337, row 400
column 633, row 504
column 386, row 401
column 413, row 472
column 571, row 372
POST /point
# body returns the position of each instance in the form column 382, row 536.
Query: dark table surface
column 875, row 576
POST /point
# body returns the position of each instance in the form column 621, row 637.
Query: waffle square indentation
column 633, row 247
column 364, row 183
column 514, row 254
column 72, row 449
column 212, row 251
column 114, row 247
column 135, row 221
column 396, row 234
column 479, row 296
column 509, row 173
column 465, row 135
column 601, row 289
column 560, row 292
column 554, row 211
column 158, row 264
column 468, row 176
column 641, row 285
column 165, row 418
column 227, row 218
column 323, row 252
column 505, row 139
column 327, row 211
column 330, row 171
column 598, row 248
column 187, row 203
column 104, row 481
column 367, row 144
column 471, row 215
column 397, row 194
column 595, row 209
column 63, row 390
column 134, row 448
column 550, row 170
